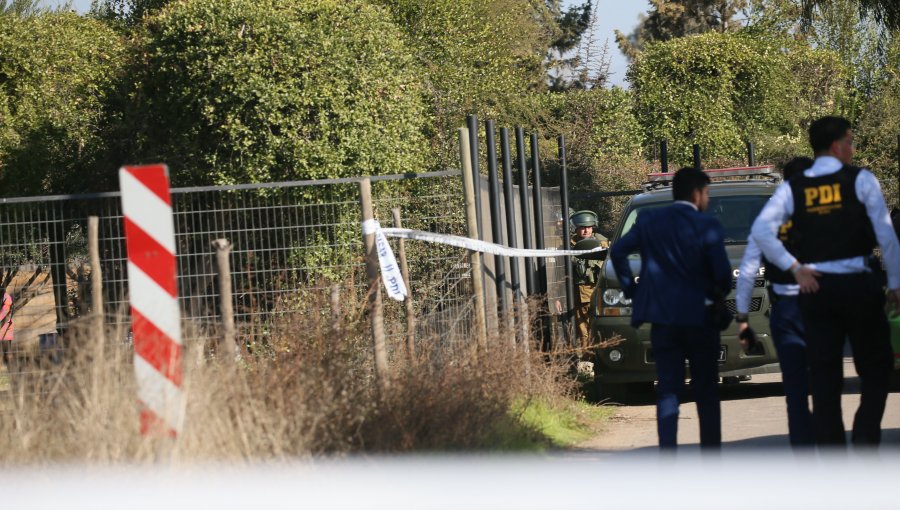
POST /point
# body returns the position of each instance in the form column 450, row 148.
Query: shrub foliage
column 248, row 91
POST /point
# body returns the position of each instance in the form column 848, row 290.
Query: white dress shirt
column 747, row 275
column 780, row 207
column 689, row 204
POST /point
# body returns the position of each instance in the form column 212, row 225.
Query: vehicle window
column 633, row 214
column 736, row 214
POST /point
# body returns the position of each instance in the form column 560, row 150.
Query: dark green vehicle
column 626, row 365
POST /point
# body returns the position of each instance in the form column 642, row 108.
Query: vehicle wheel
column 731, row 379
column 626, row 393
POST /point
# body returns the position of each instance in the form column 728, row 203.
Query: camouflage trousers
column 582, row 314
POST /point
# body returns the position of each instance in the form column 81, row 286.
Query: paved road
column 753, row 416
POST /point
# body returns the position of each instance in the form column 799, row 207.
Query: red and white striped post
column 155, row 316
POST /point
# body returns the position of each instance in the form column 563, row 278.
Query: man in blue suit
column 684, row 269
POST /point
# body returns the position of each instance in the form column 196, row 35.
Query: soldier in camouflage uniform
column 586, row 272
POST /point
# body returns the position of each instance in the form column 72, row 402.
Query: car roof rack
column 734, row 174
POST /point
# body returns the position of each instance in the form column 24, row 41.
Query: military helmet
column 584, row 218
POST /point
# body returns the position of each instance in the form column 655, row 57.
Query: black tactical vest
column 773, row 273
column 829, row 221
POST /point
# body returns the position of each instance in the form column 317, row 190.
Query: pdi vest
column 773, row 273
column 829, row 221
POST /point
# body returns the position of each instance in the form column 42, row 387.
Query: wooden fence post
column 96, row 279
column 373, row 271
column 227, row 347
column 465, row 157
column 336, row 311
column 410, row 311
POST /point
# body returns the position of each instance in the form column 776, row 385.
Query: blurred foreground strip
column 770, row 479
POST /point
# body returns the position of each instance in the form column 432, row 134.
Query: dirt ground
column 753, row 416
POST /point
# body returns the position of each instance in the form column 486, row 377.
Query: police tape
column 390, row 272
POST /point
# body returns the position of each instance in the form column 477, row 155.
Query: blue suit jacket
column 683, row 262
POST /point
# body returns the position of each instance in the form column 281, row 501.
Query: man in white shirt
column 785, row 323
column 838, row 216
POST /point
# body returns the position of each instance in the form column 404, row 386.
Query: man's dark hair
column 823, row 132
column 795, row 167
column 686, row 181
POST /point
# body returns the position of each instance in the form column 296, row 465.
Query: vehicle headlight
column 615, row 297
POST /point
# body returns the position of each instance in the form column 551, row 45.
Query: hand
column 806, row 277
column 746, row 337
column 893, row 299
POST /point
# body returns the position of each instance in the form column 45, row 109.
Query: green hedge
column 255, row 91
column 722, row 90
column 57, row 73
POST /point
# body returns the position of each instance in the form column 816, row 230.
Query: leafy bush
column 57, row 72
column 721, row 90
column 603, row 137
column 310, row 390
column 245, row 91
column 477, row 57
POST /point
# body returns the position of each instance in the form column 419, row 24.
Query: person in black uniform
column 785, row 323
column 838, row 216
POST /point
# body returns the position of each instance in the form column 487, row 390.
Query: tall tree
column 883, row 11
column 20, row 8
column 129, row 12
column 841, row 26
column 566, row 29
column 879, row 124
column 668, row 19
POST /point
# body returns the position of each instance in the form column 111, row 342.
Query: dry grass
column 309, row 390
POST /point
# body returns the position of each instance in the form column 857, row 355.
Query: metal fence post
column 664, row 155
column 496, row 222
column 567, row 235
column 374, row 295
column 537, row 196
column 465, row 156
column 476, row 172
column 337, row 313
column 410, row 311
column 697, row 164
column 751, row 154
column 57, row 254
column 512, row 238
column 526, row 214
column 228, row 348
column 96, row 279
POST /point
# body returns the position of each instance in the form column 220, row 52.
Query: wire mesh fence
column 292, row 242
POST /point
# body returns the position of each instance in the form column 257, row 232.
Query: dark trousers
column 788, row 334
column 847, row 307
column 672, row 345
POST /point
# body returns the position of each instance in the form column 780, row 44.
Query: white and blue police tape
column 390, row 273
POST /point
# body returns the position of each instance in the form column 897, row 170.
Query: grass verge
column 564, row 424
column 537, row 425
column 309, row 390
